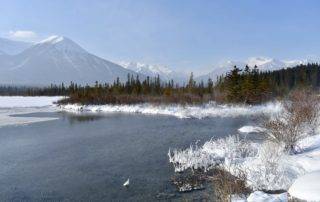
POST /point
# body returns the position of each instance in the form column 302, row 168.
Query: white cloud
column 22, row 35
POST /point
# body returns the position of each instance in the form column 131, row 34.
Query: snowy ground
column 17, row 105
column 189, row 111
column 265, row 165
column 27, row 102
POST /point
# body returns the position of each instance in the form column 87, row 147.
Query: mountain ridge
column 10, row 47
column 263, row 63
column 164, row 72
column 56, row 60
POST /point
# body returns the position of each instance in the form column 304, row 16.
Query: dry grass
column 227, row 185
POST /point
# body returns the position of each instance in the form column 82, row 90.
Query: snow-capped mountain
column 220, row 69
column 164, row 72
column 56, row 60
column 263, row 63
column 11, row 47
column 270, row 63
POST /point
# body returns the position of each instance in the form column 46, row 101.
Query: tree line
column 52, row 90
column 247, row 85
column 135, row 90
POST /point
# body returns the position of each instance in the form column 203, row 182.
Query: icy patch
column 18, row 105
column 307, row 187
column 189, row 111
column 259, row 196
column 7, row 116
column 21, row 101
column 236, row 198
column 251, row 129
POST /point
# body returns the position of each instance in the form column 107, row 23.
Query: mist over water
column 89, row 156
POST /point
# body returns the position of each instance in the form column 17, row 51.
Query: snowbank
column 266, row 165
column 189, row 111
column 307, row 187
column 259, row 196
column 20, row 101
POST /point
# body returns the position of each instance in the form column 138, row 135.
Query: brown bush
column 298, row 119
column 227, row 185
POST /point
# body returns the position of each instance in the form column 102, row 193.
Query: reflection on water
column 88, row 157
column 87, row 117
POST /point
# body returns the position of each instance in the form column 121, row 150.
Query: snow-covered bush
column 270, row 169
column 266, row 165
column 214, row 152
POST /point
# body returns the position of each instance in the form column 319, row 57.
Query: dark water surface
column 89, row 157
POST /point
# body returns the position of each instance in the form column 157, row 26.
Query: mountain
column 164, row 73
column 219, row 70
column 11, row 47
column 263, row 63
column 55, row 60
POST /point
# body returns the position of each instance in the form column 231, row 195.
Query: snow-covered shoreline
column 180, row 111
column 265, row 165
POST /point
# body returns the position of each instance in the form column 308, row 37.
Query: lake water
column 88, row 157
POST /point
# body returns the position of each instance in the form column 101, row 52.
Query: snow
column 236, row 198
column 153, row 70
column 18, row 105
column 21, row 101
column 64, row 60
column 251, row 129
column 7, row 118
column 180, row 111
column 12, row 47
column 150, row 69
column 52, row 39
column 266, row 164
column 307, row 187
column 263, row 63
column 259, row 196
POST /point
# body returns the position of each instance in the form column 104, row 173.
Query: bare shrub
column 298, row 119
column 227, row 185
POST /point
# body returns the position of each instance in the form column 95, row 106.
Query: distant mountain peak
column 58, row 59
column 141, row 67
column 263, row 63
column 61, row 43
column 153, row 70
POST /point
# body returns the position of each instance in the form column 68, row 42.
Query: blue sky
column 183, row 34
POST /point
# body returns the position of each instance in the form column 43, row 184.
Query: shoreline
column 207, row 110
column 287, row 172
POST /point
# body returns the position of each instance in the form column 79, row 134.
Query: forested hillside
column 253, row 86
